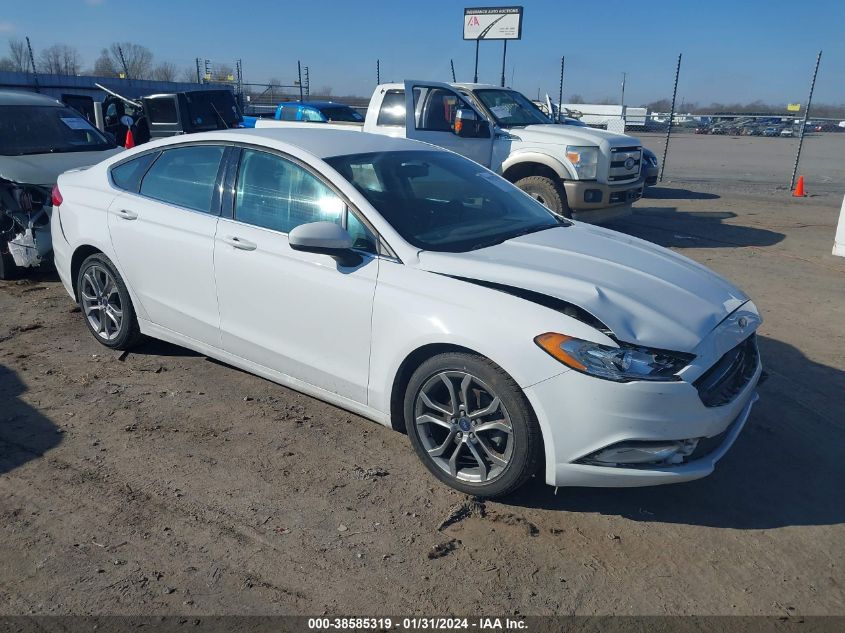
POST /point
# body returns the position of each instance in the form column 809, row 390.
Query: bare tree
column 139, row 61
column 59, row 59
column 18, row 59
column 189, row 75
column 165, row 71
column 105, row 66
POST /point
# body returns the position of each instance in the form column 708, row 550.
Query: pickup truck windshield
column 510, row 108
column 439, row 201
column 47, row 130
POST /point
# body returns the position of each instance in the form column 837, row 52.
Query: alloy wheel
column 101, row 302
column 464, row 427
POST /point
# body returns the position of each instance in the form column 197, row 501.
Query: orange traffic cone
column 130, row 142
column 799, row 188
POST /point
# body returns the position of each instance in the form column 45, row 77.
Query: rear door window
column 185, row 177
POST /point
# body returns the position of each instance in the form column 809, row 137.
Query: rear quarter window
column 127, row 176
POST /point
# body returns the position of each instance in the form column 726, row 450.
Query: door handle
column 240, row 243
column 126, row 214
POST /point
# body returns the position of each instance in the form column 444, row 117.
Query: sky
column 732, row 51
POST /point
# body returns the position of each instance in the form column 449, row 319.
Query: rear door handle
column 240, row 243
column 126, row 214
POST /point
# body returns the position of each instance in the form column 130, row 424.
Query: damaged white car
column 416, row 288
column 39, row 139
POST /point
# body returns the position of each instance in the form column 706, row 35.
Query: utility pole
column 378, row 72
column 199, row 75
column 475, row 76
column 299, row 72
column 671, row 118
column 803, row 122
column 307, row 83
column 504, row 55
column 452, row 62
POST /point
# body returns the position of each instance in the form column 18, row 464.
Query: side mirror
column 326, row 238
column 127, row 120
column 468, row 125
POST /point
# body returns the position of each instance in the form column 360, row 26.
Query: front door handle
column 126, row 214
column 242, row 244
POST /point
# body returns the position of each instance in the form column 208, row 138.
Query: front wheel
column 471, row 425
column 105, row 303
column 548, row 192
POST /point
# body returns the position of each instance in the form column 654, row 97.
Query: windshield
column 341, row 113
column 511, row 108
column 212, row 110
column 439, row 201
column 45, row 130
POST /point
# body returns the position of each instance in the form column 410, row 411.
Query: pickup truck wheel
column 547, row 192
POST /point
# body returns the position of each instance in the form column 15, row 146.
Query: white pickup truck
column 577, row 172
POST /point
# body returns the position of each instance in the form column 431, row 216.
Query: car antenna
column 121, row 97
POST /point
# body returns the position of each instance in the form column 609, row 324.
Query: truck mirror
column 465, row 122
column 127, row 120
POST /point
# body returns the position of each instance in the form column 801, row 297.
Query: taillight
column 57, row 196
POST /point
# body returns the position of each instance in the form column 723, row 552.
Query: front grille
column 631, row 195
column 618, row 157
column 731, row 374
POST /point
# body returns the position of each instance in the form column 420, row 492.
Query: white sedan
column 420, row 290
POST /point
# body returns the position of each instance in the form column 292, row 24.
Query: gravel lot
column 164, row 482
column 757, row 160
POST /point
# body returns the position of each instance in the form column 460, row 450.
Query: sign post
column 492, row 23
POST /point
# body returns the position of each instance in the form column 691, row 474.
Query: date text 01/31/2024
column 416, row 624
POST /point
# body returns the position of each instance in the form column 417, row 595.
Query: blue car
column 313, row 111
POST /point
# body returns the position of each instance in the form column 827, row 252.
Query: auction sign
column 493, row 23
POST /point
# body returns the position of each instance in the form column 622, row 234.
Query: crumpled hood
column 44, row 169
column 552, row 133
column 644, row 293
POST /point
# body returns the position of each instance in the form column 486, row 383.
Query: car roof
column 26, row 98
column 322, row 143
column 316, row 104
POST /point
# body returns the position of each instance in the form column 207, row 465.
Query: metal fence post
column 671, row 118
column 378, row 72
column 560, row 92
column 804, row 122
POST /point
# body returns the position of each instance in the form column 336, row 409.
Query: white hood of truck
column 573, row 135
column 644, row 293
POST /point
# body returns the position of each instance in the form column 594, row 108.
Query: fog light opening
column 637, row 453
column 592, row 195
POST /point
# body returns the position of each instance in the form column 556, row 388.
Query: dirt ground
column 167, row 483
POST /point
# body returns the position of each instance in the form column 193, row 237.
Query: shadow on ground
column 673, row 193
column 787, row 468
column 705, row 229
column 25, row 434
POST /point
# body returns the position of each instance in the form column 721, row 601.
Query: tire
column 548, row 192
column 460, row 449
column 99, row 289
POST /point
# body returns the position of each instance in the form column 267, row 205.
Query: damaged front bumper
column 25, row 223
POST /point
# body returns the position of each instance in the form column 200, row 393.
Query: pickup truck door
column 430, row 109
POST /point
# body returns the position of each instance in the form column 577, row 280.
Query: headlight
column 621, row 364
column 584, row 159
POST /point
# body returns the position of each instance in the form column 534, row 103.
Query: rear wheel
column 105, row 303
column 546, row 191
column 471, row 425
